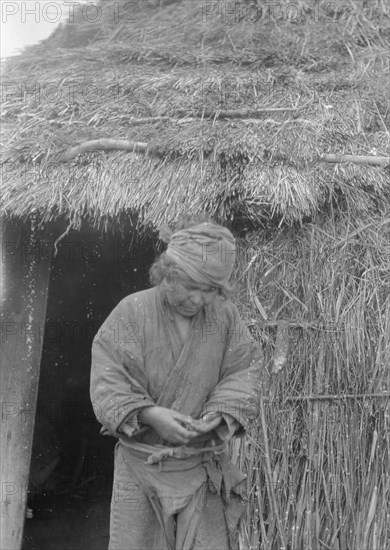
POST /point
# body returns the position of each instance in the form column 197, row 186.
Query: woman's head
column 198, row 255
column 166, row 272
column 188, row 297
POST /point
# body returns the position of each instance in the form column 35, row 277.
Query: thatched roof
column 168, row 77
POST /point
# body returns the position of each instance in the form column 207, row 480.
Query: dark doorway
column 71, row 468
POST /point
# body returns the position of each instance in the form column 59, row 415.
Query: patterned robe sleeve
column 118, row 381
column 236, row 395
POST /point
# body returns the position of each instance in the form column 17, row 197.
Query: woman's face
column 187, row 297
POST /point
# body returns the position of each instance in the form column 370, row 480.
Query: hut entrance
column 71, row 468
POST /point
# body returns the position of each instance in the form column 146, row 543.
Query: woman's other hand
column 171, row 425
column 207, row 423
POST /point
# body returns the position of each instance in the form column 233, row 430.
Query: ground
column 70, row 523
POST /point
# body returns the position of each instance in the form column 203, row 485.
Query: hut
column 274, row 119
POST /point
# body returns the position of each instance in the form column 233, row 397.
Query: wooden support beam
column 338, row 397
column 108, row 144
column 103, row 145
column 237, row 113
column 26, row 266
column 335, row 397
column 357, row 159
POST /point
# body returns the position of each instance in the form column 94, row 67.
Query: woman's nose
column 196, row 298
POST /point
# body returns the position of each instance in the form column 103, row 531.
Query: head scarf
column 205, row 252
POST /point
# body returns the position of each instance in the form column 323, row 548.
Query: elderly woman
column 175, row 375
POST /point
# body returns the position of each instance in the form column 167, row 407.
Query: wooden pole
column 338, row 397
column 357, row 159
column 237, row 113
column 104, row 144
column 108, row 144
column 335, row 397
column 26, row 261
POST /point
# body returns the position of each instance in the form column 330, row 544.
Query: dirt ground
column 70, row 523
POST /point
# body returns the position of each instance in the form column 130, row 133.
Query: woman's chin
column 187, row 311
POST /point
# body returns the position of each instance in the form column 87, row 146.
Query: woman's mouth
column 190, row 308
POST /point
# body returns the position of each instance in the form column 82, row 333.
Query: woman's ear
column 169, row 281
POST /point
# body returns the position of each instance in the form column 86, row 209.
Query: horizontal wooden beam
column 108, row 144
column 237, row 113
column 338, row 397
column 356, row 159
column 103, row 145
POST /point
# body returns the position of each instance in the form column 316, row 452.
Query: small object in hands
column 188, row 423
column 29, row 513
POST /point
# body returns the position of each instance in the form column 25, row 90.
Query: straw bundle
column 318, row 468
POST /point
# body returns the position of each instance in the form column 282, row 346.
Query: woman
column 175, row 375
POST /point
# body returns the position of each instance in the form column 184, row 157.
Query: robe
column 139, row 359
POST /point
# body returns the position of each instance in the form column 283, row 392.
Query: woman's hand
column 208, row 422
column 171, row 425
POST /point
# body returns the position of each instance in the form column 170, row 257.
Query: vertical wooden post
column 26, row 261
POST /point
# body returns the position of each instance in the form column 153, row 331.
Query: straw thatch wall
column 318, row 466
column 242, row 112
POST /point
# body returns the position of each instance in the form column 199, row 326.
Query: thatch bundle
column 277, row 123
column 234, row 109
column 319, row 454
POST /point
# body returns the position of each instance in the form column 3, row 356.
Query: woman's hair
column 165, row 268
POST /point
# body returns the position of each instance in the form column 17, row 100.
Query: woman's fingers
column 176, row 427
column 183, row 438
column 186, row 433
column 183, row 418
column 210, row 416
column 183, row 430
column 187, row 421
column 200, row 426
column 212, row 424
column 203, row 425
column 207, row 423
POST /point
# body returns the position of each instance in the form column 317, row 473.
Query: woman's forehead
column 187, row 282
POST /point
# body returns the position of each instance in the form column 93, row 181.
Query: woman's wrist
column 145, row 415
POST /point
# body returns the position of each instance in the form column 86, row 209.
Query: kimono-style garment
column 139, row 359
